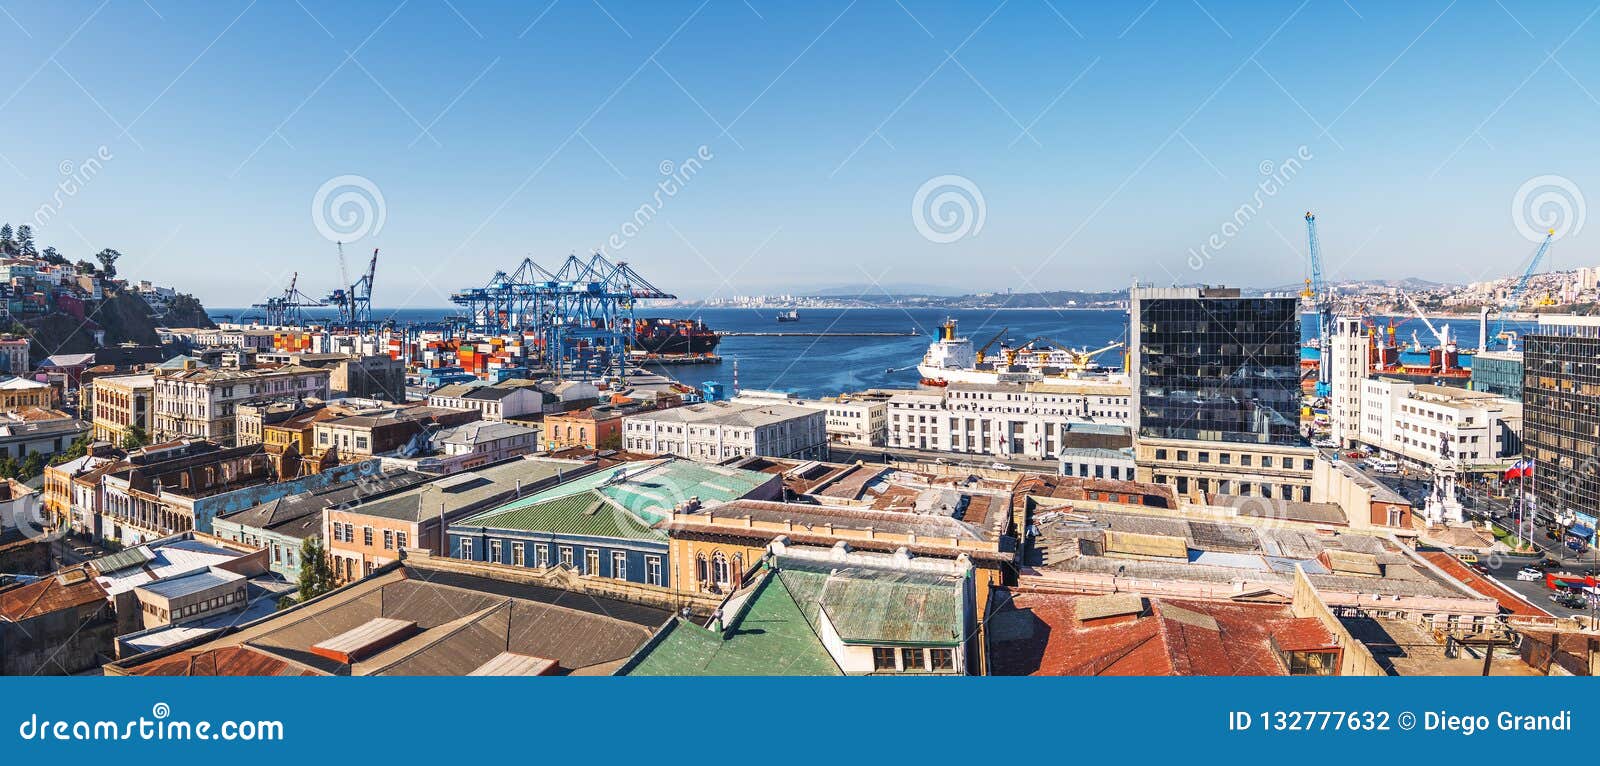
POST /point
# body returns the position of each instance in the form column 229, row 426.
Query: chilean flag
column 1519, row 469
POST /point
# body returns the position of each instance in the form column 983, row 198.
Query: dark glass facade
column 1224, row 369
column 1561, row 417
column 1498, row 373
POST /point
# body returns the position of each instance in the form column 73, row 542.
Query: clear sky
column 1109, row 141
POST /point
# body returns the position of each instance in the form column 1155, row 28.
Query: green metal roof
column 770, row 637
column 651, row 489
column 585, row 513
column 875, row 606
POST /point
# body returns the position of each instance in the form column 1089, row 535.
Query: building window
column 494, row 551
column 700, row 574
column 517, row 557
column 388, row 539
column 719, row 569
column 566, row 556
column 652, row 570
column 591, row 562
column 399, row 539
column 942, row 659
column 911, row 658
column 541, row 556
column 366, row 535
column 883, row 658
column 619, row 565
column 466, row 549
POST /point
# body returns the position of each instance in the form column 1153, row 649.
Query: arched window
column 719, row 570
column 700, row 569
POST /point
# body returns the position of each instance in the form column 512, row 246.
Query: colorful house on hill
column 828, row 611
column 604, row 524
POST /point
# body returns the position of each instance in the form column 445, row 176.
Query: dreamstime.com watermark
column 948, row 209
column 158, row 727
column 1275, row 176
column 1548, row 205
column 348, row 208
column 675, row 177
column 75, row 176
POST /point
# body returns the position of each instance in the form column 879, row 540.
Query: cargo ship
column 792, row 315
column 952, row 359
column 674, row 336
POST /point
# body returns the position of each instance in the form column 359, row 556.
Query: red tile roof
column 1035, row 633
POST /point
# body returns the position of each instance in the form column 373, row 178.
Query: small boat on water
column 792, row 315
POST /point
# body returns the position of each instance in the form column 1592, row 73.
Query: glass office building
column 1215, row 366
column 1498, row 372
column 1561, row 415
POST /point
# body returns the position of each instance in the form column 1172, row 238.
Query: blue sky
column 1109, row 141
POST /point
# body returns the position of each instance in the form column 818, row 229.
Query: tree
column 316, row 573
column 32, row 466
column 108, row 261
column 8, row 467
column 85, row 267
column 51, row 256
column 78, row 448
column 25, row 244
column 135, row 438
column 6, row 244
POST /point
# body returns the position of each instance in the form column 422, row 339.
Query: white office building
column 1410, row 421
column 716, row 431
column 1021, row 420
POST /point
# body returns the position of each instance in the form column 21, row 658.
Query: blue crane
column 1514, row 298
column 1317, row 295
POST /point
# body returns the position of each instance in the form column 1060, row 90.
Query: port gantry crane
column 287, row 310
column 1320, row 299
column 580, row 314
column 1513, row 300
column 354, row 299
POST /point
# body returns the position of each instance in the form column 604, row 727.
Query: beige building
column 203, row 402
column 121, row 403
column 21, row 392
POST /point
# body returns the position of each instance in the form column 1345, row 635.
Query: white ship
column 952, row 359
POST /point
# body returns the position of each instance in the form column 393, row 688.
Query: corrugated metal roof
column 123, row 559
column 1137, row 544
column 195, row 582
column 586, row 513
column 770, row 636
column 869, row 606
column 513, row 664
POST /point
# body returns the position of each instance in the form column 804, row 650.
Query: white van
column 1383, row 465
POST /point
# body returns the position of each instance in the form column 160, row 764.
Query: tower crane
column 1319, row 299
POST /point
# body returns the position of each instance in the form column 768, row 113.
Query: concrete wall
column 1354, row 658
column 63, row 642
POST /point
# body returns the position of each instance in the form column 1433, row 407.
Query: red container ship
column 674, row 336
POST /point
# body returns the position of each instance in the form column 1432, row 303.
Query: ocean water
column 822, row 366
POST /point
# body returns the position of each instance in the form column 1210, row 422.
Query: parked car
column 1570, row 599
column 1529, row 574
column 999, row 466
column 1547, row 563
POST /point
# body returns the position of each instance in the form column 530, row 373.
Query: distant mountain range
column 1409, row 283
